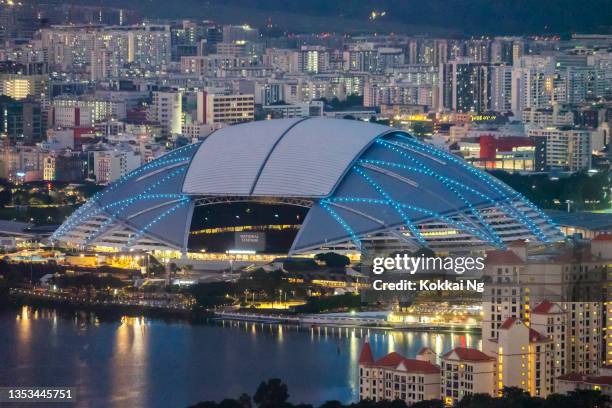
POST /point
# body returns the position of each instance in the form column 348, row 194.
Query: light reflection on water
column 139, row 362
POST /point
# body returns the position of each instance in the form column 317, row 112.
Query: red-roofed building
column 467, row 354
column 397, row 377
column 601, row 246
column 547, row 307
column 550, row 318
column 466, row 371
column 570, row 382
column 523, row 357
column 366, row 356
column 427, row 354
column 603, row 238
column 557, row 291
column 499, row 257
column 508, row 323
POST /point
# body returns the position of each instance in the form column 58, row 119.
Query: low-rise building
column 396, row 377
column 570, row 382
column 466, row 371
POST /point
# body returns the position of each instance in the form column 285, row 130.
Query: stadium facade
column 363, row 183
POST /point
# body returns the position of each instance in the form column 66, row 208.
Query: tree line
column 275, row 394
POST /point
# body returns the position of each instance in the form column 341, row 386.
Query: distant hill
column 467, row 17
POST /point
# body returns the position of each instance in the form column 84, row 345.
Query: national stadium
column 302, row 186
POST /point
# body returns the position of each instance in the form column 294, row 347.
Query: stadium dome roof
column 361, row 181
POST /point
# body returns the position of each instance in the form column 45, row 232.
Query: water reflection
column 130, row 354
column 141, row 362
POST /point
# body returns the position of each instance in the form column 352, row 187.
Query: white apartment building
column 565, row 149
column 300, row 110
column 524, row 358
column 529, row 89
column 520, row 283
column 396, row 377
column 466, row 372
column 167, row 110
column 197, row 131
column 546, row 117
column 194, row 65
column 225, row 109
column 101, row 107
column 110, row 165
column 311, row 59
column 279, row 59
column 397, row 93
column 551, row 320
column 501, row 88
column 104, row 51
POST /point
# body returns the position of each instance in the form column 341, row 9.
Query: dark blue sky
column 458, row 16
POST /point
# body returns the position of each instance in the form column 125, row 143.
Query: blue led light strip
column 95, row 198
column 428, row 172
column 157, row 219
column 78, row 218
column 160, row 161
column 116, row 213
column 394, row 204
column 493, row 234
column 325, row 205
column 534, row 228
column 487, row 178
column 71, row 223
column 430, row 213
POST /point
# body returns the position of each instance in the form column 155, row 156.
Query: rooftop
column 589, row 379
column 468, row 354
column 545, row 307
column 395, row 360
column 501, row 257
column 587, row 220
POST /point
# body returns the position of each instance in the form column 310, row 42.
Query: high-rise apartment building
column 224, row 109
column 167, row 110
column 563, row 149
column 569, row 277
column 523, row 358
column 465, row 86
column 311, row 59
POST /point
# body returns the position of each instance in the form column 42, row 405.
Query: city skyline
column 209, row 201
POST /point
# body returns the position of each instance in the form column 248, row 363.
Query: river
column 141, row 362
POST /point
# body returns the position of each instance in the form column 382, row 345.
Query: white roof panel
column 228, row 161
column 287, row 157
column 312, row 157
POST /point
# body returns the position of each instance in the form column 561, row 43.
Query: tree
column 5, row 193
column 245, row 401
column 428, row 404
column 230, row 403
column 589, row 399
column 476, row 401
column 333, row 260
column 271, row 394
column 332, row 404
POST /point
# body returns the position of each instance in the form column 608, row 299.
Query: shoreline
column 116, row 311
column 106, row 311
